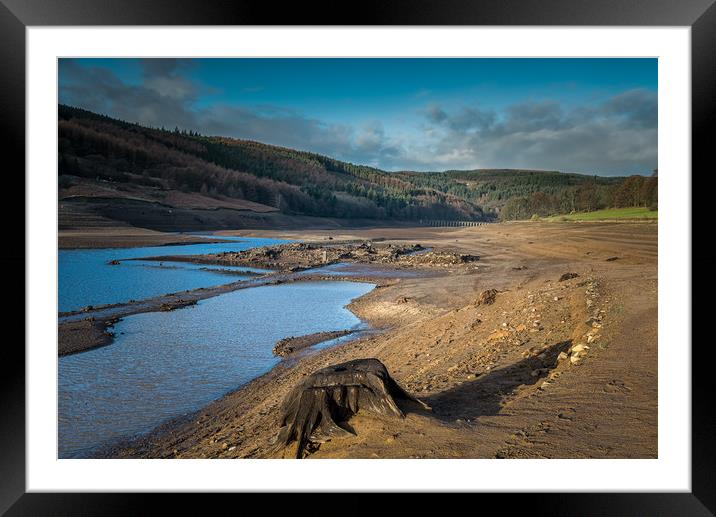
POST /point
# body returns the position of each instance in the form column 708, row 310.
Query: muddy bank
column 77, row 336
column 292, row 344
column 549, row 369
column 125, row 237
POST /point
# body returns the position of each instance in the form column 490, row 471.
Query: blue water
column 85, row 278
column 165, row 364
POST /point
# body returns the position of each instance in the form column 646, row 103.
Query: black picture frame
column 16, row 15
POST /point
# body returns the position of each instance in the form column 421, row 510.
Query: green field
column 608, row 214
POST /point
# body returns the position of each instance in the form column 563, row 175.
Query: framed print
column 419, row 253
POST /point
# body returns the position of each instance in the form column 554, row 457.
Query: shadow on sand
column 486, row 394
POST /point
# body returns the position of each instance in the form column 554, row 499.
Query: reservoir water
column 166, row 364
column 86, row 278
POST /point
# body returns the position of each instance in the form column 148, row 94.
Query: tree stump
column 312, row 410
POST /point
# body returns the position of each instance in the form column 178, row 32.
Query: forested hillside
column 96, row 147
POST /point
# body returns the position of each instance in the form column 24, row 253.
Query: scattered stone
column 538, row 371
column 468, row 258
column 177, row 304
column 487, row 297
column 498, row 334
column 568, row 276
column 579, row 348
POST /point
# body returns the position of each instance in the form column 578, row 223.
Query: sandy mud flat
column 560, row 362
column 124, row 237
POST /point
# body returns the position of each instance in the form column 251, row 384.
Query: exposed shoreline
column 546, row 355
column 125, row 237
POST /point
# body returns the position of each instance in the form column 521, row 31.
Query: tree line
column 298, row 182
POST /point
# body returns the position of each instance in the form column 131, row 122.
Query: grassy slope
column 608, row 214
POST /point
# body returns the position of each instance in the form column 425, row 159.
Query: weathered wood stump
column 312, row 410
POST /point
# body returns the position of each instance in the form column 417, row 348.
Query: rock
column 498, row 334
column 568, row 276
column 487, row 297
column 176, row 304
column 579, row 348
column 611, row 259
column 575, row 359
column 539, row 371
column 521, row 328
column 468, row 258
column 562, row 356
column 291, row 344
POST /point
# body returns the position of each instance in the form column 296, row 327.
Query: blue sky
column 580, row 115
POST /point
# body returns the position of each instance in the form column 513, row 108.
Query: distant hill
column 109, row 159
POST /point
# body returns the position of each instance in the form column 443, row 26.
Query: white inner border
column 671, row 471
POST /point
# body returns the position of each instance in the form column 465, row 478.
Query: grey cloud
column 637, row 108
column 435, row 114
column 162, row 67
column 167, row 99
column 618, row 136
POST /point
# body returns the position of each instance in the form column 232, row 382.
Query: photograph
column 357, row 257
